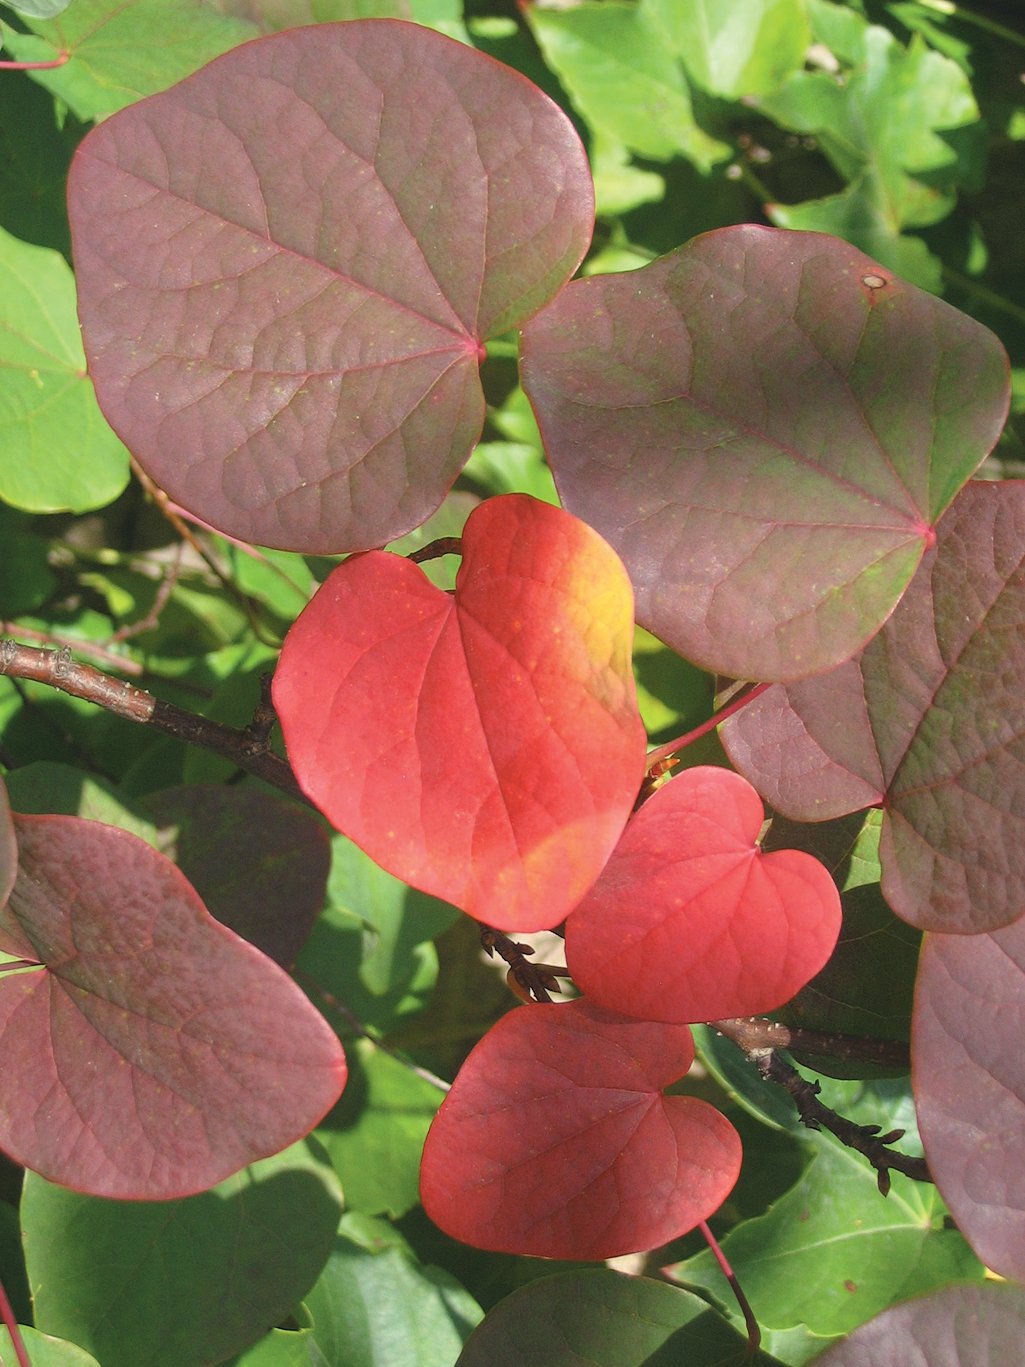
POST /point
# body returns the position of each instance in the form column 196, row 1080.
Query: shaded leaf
column 928, row 721
column 832, row 1253
column 327, row 394
column 12, row 1258
column 690, row 921
column 284, row 1347
column 59, row 452
column 46, row 1351
column 45, row 788
column 181, row 1283
column 259, row 863
column 604, row 1318
column 763, row 437
column 556, row 1138
column 376, row 1305
column 959, row 1327
column 614, row 62
column 970, row 1085
column 435, row 731
column 736, row 47
column 26, row 580
column 375, row 1134
column 34, row 158
column 120, row 50
column 153, row 1050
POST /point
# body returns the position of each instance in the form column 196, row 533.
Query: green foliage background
column 900, row 127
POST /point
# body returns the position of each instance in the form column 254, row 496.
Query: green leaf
column 292, row 1347
column 673, row 695
column 34, row 157
column 619, row 186
column 736, row 47
column 12, row 1264
column 59, row 452
column 45, row 1351
column 614, row 62
column 45, row 787
column 275, row 15
column 447, row 521
column 121, row 50
column 38, row 9
column 375, row 1134
column 879, row 126
column 516, row 465
column 181, row 1283
column 25, row 577
column 376, row 1305
column 600, row 1318
column 832, row 1252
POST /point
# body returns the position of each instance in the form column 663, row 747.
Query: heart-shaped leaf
column 287, row 265
column 556, row 1139
column 690, row 921
column 765, row 425
column 961, row 1326
column 484, row 747
column 155, row 1052
column 259, row 863
column 969, row 1076
column 928, row 720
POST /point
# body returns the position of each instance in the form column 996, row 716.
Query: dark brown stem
column 445, row 545
column 247, row 749
column 866, row 1139
column 754, row 1334
column 535, row 979
column 654, row 756
column 8, row 1317
column 752, row 1033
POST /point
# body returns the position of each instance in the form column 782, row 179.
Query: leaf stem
column 445, row 545
column 248, row 748
column 7, row 1314
column 60, row 60
column 754, row 1334
column 654, row 756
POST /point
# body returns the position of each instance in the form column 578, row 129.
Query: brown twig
column 445, row 545
column 152, row 619
column 752, row 1033
column 536, row 980
column 247, row 749
column 50, row 638
column 866, row 1139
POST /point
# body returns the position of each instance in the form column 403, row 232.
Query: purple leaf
column 287, row 265
column 969, row 1075
column 765, row 426
column 260, row 864
column 8, row 847
column 155, row 1053
column 961, row 1326
column 928, row 721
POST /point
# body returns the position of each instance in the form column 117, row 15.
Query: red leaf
column 929, row 720
column 764, row 440
column 156, row 1053
column 485, row 747
column 260, row 864
column 286, row 265
column 556, row 1140
column 968, row 1069
column 8, row 847
column 690, row 921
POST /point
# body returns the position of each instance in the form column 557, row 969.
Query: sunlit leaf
column 150, row 1054
column 181, row 1283
column 765, row 438
column 46, row 1351
column 556, row 1138
column 736, row 47
column 59, row 452
column 485, row 747
column 970, row 1085
column 370, row 202
column 690, row 921
column 928, row 721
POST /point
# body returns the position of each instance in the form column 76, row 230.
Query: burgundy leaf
column 690, row 920
column 556, row 1139
column 929, row 720
column 287, row 265
column 8, row 847
column 960, row 1326
column 260, row 864
column 765, row 425
column 155, row 1053
column 968, row 1068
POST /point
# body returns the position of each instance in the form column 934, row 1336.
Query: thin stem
column 152, row 619
column 248, row 749
column 60, row 60
column 672, row 746
column 752, row 1033
column 445, row 545
column 7, row 1314
column 754, row 1334
column 979, row 20
column 358, row 1028
column 51, row 638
